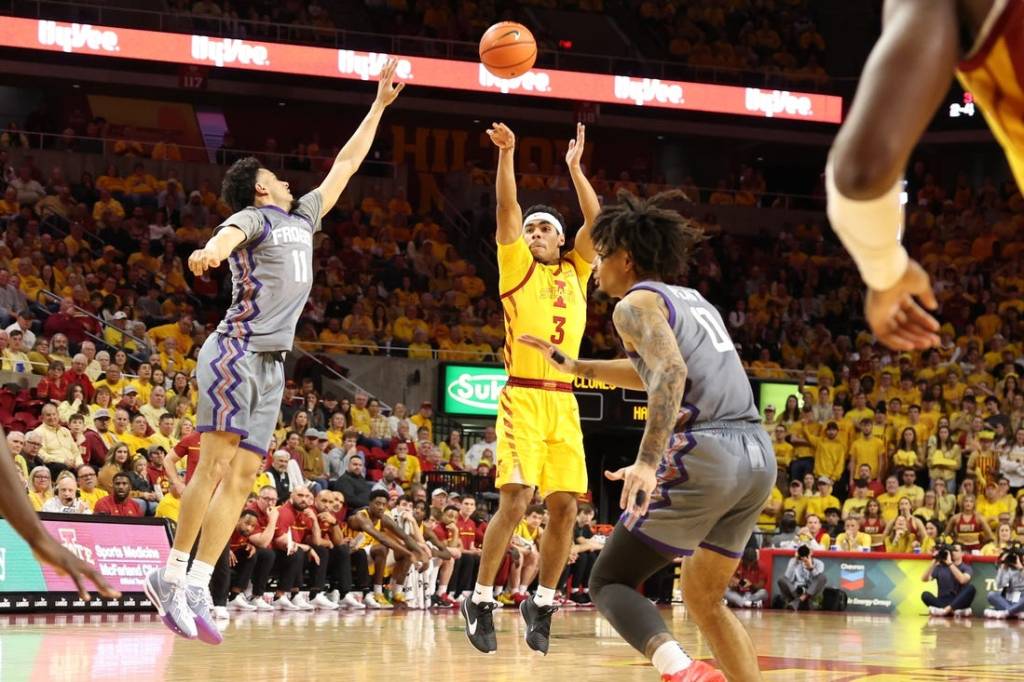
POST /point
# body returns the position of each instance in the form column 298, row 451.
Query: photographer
column 1008, row 599
column 953, row 577
column 746, row 587
column 803, row 581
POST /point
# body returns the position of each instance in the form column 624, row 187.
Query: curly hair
column 659, row 240
column 239, row 187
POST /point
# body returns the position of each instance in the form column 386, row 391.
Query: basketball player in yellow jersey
column 904, row 80
column 540, row 445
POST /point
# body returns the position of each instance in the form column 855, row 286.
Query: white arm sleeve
column 870, row 231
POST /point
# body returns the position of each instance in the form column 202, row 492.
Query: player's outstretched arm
column 643, row 326
column 358, row 146
column 220, row 246
column 903, row 82
column 510, row 214
column 590, row 205
column 16, row 509
column 618, row 372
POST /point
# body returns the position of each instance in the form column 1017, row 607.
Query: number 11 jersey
column 271, row 273
column 548, row 302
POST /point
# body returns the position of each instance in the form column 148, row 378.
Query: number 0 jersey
column 717, row 387
column 545, row 301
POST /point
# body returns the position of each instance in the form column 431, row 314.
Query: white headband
column 540, row 216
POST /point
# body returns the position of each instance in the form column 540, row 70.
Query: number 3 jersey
column 717, row 388
column 271, row 273
column 548, row 302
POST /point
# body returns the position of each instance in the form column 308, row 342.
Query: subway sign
column 473, row 391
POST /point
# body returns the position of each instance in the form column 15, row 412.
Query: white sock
column 378, row 589
column 483, row 593
column 199, row 575
column 669, row 658
column 545, row 596
column 521, row 589
column 177, row 565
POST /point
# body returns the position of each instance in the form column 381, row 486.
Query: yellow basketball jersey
column 545, row 301
column 992, row 73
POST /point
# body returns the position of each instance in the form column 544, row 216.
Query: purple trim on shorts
column 721, row 550
column 677, row 462
column 230, row 353
column 262, row 452
column 210, row 428
column 660, row 547
column 668, row 302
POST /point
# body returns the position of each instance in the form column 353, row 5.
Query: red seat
column 29, row 420
column 375, row 474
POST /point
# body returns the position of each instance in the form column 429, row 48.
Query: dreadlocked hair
column 239, row 187
column 659, row 240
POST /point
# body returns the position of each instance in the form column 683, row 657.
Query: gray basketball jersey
column 271, row 273
column 717, row 388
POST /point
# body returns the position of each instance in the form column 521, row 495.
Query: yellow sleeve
column 514, row 263
column 583, row 267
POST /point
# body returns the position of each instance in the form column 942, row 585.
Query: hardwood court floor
column 413, row 646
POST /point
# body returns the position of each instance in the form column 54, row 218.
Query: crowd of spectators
column 884, row 451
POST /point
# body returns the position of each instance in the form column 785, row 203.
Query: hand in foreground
column 897, row 319
column 202, row 260
column 49, row 551
column 555, row 357
column 574, row 154
column 502, row 136
column 387, row 90
column 639, row 482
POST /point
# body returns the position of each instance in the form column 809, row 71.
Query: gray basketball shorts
column 713, row 482
column 239, row 391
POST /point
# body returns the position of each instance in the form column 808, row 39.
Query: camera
column 803, row 551
column 1012, row 556
column 942, row 551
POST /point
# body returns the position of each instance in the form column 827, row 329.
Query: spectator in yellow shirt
column 796, row 501
column 829, row 453
column 944, row 457
column 166, row 151
column 106, row 205
column 910, row 489
column 824, row 500
column 783, row 450
column 408, row 466
column 180, row 330
column 867, row 449
column 853, row 540
column 136, row 439
column 407, row 325
column 420, row 348
column 889, row 500
column 422, row 419
column 899, row 539
column 855, row 505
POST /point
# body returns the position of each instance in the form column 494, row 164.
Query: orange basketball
column 508, row 49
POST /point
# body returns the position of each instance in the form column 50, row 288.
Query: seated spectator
column 66, row 500
column 587, row 546
column 251, row 559
column 475, row 454
column 407, row 467
column 803, row 581
column 118, row 460
column 59, row 450
column 853, row 540
column 88, row 486
column 385, row 538
column 119, row 502
column 297, row 542
column 747, row 586
column 40, row 487
column 330, row 515
column 953, row 577
column 389, row 483
column 813, row 534
column 143, row 492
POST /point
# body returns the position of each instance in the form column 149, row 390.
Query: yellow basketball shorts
column 539, row 438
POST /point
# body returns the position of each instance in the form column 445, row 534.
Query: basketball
column 508, row 49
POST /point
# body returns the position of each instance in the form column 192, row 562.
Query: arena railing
column 349, row 386
column 219, row 156
column 404, row 44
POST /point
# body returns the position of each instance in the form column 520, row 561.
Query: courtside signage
column 472, row 389
column 177, row 48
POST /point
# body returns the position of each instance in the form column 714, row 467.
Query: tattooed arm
column 642, row 322
column 616, row 372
